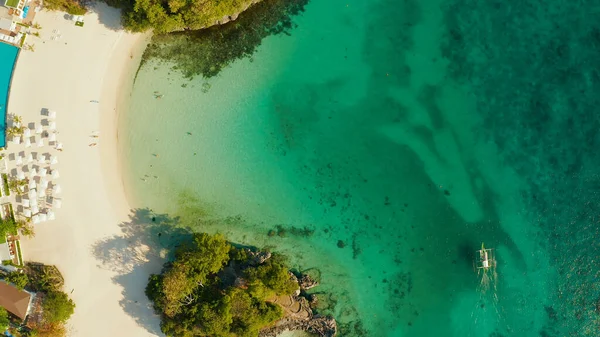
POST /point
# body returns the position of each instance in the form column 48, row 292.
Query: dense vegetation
column 70, row 6
column 20, row 280
column 214, row 289
column 12, row 227
column 176, row 15
column 4, row 321
column 57, row 306
column 205, row 52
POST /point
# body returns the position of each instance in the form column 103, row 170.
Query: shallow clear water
column 388, row 140
column 8, row 55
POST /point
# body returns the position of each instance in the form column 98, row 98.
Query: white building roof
column 4, row 252
column 5, row 24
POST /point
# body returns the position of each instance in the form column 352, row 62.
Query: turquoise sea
column 381, row 143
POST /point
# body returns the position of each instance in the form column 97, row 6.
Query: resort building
column 15, row 15
column 15, row 301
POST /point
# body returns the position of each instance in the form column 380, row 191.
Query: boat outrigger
column 486, row 267
column 487, row 258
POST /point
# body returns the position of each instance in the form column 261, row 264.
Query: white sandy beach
column 91, row 63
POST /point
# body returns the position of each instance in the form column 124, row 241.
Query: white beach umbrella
column 39, row 129
column 34, row 209
column 52, row 137
column 21, row 175
column 32, row 195
column 27, row 213
column 52, row 114
column 27, row 142
column 16, row 139
column 55, row 174
column 32, row 184
column 43, row 217
column 52, row 126
column 27, row 132
column 56, row 189
column 43, row 172
column 53, row 160
column 32, row 173
column 26, row 203
column 35, row 219
column 30, row 158
column 57, row 203
column 51, row 215
column 40, row 142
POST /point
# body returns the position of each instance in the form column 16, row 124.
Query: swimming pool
column 8, row 56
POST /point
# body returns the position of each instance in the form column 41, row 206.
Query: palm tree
column 14, row 131
column 17, row 120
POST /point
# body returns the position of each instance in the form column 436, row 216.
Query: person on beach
column 93, row 144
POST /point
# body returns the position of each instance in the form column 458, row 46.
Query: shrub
column 58, row 307
column 70, row 6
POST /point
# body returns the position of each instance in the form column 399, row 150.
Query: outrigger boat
column 486, row 267
column 487, row 258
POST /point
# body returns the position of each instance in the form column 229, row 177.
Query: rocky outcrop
column 257, row 258
column 299, row 314
column 306, row 282
column 321, row 326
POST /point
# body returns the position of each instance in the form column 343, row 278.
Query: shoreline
column 89, row 64
column 118, row 91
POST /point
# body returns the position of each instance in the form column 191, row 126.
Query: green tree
column 3, row 318
column 177, row 15
column 58, row 307
column 194, row 302
column 271, row 278
column 8, row 226
column 20, row 280
column 214, row 319
column 249, row 314
column 70, row 6
column 206, row 255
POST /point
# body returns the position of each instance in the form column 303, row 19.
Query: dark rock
column 341, row 244
column 322, row 326
column 306, row 282
column 258, row 258
column 313, row 300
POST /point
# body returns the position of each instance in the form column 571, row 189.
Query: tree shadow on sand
column 144, row 244
column 108, row 16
